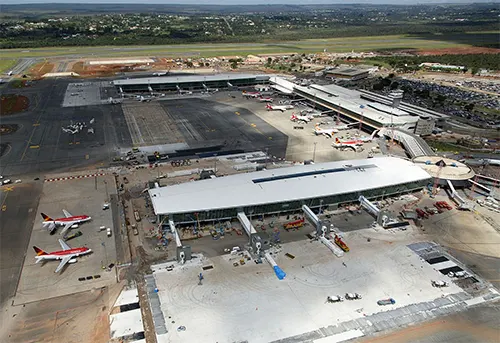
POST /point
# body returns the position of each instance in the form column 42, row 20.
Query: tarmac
column 40, row 145
column 86, row 196
column 248, row 302
column 19, row 205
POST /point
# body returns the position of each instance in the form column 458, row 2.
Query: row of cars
column 439, row 207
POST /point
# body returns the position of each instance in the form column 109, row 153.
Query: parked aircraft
column 162, row 73
column 66, row 255
column 344, row 127
column 251, row 94
column 347, row 143
column 328, row 132
column 67, row 222
column 305, row 119
column 266, row 99
column 281, row 108
column 10, row 73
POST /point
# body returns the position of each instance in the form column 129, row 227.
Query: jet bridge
column 480, row 185
column 183, row 251
column 463, row 204
column 259, row 243
column 369, row 206
column 321, row 231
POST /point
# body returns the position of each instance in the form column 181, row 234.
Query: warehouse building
column 287, row 189
column 189, row 82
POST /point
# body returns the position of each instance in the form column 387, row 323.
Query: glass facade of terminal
column 294, row 206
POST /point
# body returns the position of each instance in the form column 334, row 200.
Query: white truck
column 352, row 296
column 439, row 283
column 334, row 299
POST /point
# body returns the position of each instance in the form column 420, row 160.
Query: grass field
column 220, row 49
column 6, row 65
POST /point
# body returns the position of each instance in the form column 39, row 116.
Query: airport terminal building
column 283, row 190
column 189, row 82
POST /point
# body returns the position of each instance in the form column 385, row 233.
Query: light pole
column 314, row 151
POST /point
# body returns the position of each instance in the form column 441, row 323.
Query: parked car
column 389, row 301
column 334, row 299
column 352, row 296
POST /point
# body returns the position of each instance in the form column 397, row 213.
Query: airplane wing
column 67, row 214
column 63, row 262
column 66, row 228
column 63, row 244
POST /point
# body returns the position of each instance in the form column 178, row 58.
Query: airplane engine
column 73, row 260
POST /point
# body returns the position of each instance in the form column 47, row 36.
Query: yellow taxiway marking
column 237, row 113
column 4, row 208
column 34, row 146
column 36, row 124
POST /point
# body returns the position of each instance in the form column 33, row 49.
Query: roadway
column 18, row 209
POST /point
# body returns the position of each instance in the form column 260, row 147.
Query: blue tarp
column 279, row 273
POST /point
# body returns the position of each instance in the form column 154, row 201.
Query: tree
column 269, row 60
column 234, row 65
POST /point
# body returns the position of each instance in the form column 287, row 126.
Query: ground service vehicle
column 334, row 299
column 294, row 225
column 352, row 296
column 389, row 301
column 439, row 283
column 341, row 243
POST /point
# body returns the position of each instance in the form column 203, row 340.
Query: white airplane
column 305, row 119
column 347, row 144
column 68, row 221
column 162, row 73
column 328, row 133
column 267, row 99
column 66, row 255
column 10, row 73
column 369, row 138
column 281, row 108
column 251, row 94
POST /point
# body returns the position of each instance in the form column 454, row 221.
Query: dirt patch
column 7, row 129
column 13, row 103
column 41, row 69
column 86, row 70
column 458, row 51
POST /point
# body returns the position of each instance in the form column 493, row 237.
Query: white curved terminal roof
column 285, row 184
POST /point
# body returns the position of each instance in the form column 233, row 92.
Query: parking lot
column 78, row 196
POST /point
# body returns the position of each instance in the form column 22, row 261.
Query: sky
column 248, row 2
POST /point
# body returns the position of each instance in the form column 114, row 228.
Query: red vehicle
column 444, row 204
column 440, row 210
column 421, row 214
column 294, row 225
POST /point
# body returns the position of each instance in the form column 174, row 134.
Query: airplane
column 163, row 73
column 251, row 94
column 268, row 99
column 298, row 117
column 326, row 132
column 281, row 108
column 68, row 221
column 10, row 73
column 66, row 255
column 344, row 127
column 347, row 144
column 369, row 138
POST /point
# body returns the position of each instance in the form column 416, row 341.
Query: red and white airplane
column 251, row 94
column 266, row 99
column 347, row 143
column 66, row 255
column 298, row 117
column 68, row 221
column 281, row 108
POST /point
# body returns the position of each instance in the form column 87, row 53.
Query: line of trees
column 473, row 62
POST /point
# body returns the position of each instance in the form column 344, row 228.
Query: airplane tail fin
column 46, row 217
column 337, row 140
column 39, row 252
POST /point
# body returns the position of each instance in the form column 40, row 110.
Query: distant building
column 348, row 73
column 425, row 126
column 440, row 66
